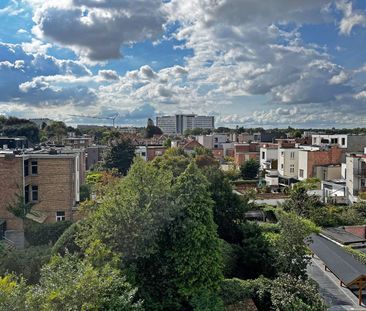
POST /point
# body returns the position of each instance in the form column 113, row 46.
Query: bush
column 43, row 234
column 230, row 254
column 236, row 290
column 27, row 262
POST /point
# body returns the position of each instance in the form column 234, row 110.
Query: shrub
column 42, row 234
column 27, row 262
column 66, row 242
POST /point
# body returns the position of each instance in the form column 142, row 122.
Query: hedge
column 44, row 234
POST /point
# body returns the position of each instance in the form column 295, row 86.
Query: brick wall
column 56, row 186
column 11, row 182
column 331, row 156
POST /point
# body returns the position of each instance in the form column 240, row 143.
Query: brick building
column 312, row 161
column 50, row 180
column 245, row 152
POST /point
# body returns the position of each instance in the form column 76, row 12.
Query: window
column 292, row 155
column 334, row 141
column 143, row 154
column 281, row 166
column 292, row 168
column 282, row 153
column 263, row 155
column 26, row 194
column 34, row 166
column 60, row 216
column 34, row 193
column 343, row 141
column 301, row 173
column 26, row 168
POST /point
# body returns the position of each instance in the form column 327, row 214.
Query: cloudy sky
column 248, row 62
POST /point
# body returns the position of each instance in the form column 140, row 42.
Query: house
column 78, row 142
column 190, row 146
column 268, row 156
column 355, row 175
column 213, row 141
column 246, row 151
column 153, row 151
column 353, row 143
column 334, row 191
column 94, row 154
column 48, row 179
column 320, row 162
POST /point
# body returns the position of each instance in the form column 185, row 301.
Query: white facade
column 337, row 139
column 167, row 124
column 213, row 141
column 303, row 164
column 267, row 155
column 141, row 151
column 355, row 176
column 288, row 162
column 178, row 123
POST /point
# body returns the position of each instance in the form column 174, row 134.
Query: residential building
column 190, row 146
column 154, row 151
column 48, row 179
column 179, row 123
column 355, row 175
column 19, row 142
column 320, row 162
column 213, row 141
column 245, row 152
column 268, row 156
column 353, row 143
column 94, row 154
column 141, row 151
column 78, row 142
column 288, row 162
column 334, row 191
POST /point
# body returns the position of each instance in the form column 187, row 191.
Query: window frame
column 60, row 217
column 34, row 164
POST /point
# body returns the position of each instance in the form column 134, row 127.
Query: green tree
column 13, row 292
column 57, row 130
column 152, row 130
column 292, row 254
column 289, row 293
column 249, row 169
column 26, row 262
column 195, row 252
column 301, row 203
column 68, row 283
column 120, row 156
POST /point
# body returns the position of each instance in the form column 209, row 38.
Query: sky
column 250, row 63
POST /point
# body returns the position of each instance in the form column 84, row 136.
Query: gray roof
column 340, row 235
column 341, row 263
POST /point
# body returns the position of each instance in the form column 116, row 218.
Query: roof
column 341, row 263
column 340, row 235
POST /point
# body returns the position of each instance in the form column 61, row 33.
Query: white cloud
column 351, row 18
column 95, row 30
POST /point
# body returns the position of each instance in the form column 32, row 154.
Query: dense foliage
column 120, row 156
column 249, row 169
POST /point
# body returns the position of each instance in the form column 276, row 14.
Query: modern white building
column 353, row 143
column 213, row 141
column 355, row 175
column 288, row 162
column 268, row 156
column 178, row 123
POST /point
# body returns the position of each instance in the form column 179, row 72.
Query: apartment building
column 320, row 162
column 268, row 156
column 288, row 162
column 94, row 155
column 48, row 179
column 355, row 175
column 213, row 141
column 353, row 143
column 245, row 152
column 179, row 123
column 78, row 142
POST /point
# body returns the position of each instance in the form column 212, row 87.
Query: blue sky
column 248, row 62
